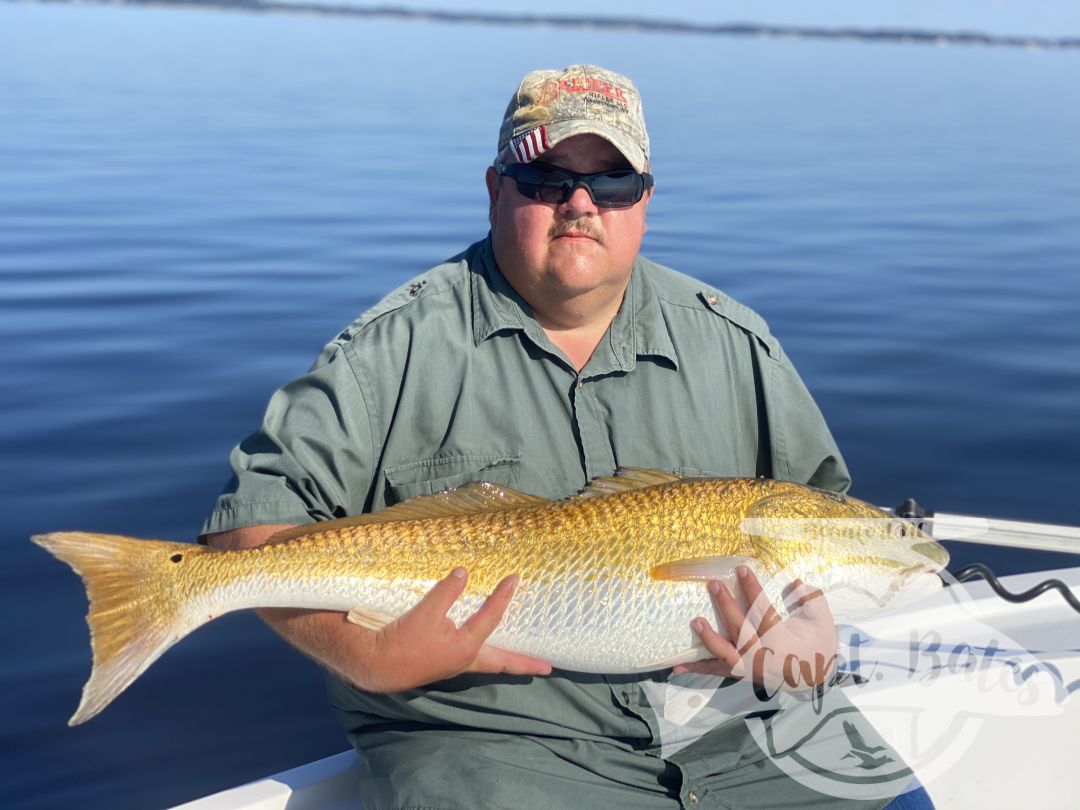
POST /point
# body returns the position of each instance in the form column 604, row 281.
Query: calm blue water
column 192, row 203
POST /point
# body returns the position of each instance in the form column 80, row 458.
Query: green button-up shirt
column 451, row 379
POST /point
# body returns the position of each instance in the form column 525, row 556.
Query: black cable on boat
column 980, row 570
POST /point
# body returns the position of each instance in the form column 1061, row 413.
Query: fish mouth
column 933, row 552
column 925, row 576
column 912, row 584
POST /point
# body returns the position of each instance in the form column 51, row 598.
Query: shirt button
column 580, row 383
column 713, row 299
column 692, row 797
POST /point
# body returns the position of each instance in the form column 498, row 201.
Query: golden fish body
column 609, row 579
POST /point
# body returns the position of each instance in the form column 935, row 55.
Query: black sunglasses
column 619, row 188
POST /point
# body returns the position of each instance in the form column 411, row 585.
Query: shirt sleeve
column 802, row 447
column 310, row 460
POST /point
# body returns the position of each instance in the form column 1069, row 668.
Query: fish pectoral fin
column 625, row 479
column 371, row 619
column 699, row 568
column 694, row 653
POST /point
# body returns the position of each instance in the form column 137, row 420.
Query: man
column 546, row 355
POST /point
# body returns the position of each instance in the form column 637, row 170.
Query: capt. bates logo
column 905, row 700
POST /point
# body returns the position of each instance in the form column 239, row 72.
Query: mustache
column 582, row 226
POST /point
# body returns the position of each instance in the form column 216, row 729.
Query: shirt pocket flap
column 698, row 472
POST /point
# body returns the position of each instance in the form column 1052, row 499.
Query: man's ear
column 491, row 178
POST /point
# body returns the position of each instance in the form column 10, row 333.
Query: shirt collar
column 496, row 306
column 638, row 330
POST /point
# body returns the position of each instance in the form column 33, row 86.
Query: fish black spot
column 176, row 557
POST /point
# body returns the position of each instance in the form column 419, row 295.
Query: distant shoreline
column 903, row 36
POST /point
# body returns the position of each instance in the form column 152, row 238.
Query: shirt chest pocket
column 428, row 476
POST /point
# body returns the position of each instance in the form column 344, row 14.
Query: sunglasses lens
column 616, row 189
column 555, row 190
column 540, row 185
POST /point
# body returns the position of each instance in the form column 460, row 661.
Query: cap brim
column 616, row 137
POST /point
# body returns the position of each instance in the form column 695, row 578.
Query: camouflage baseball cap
column 551, row 105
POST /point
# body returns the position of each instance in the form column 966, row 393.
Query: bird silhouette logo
column 860, row 750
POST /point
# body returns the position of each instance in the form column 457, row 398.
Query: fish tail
column 136, row 605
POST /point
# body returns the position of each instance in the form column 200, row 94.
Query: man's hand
column 424, row 645
column 795, row 654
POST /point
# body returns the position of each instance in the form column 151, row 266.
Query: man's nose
column 580, row 203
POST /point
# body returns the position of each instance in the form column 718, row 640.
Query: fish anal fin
column 469, row 499
column 371, row 619
column 625, row 479
column 699, row 568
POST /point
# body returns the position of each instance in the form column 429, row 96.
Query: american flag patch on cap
column 528, row 146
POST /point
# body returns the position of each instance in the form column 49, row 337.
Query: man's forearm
column 329, row 639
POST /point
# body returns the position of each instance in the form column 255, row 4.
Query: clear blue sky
column 1035, row 17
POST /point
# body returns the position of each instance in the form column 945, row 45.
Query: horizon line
column 905, row 36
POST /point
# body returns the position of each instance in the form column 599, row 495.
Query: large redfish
column 610, row 578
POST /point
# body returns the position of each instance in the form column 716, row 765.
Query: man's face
column 552, row 253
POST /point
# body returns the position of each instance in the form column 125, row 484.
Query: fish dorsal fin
column 469, row 499
column 625, row 479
